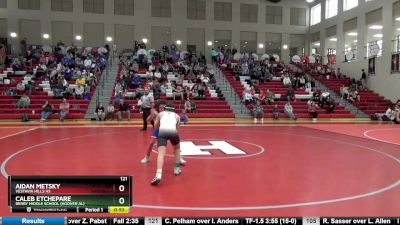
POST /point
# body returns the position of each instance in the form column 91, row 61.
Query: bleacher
column 300, row 106
column 211, row 107
column 42, row 92
column 370, row 101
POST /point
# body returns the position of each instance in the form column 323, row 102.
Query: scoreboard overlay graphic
column 91, row 194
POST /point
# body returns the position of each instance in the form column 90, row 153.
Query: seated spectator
column 139, row 92
column 307, row 87
column 275, row 112
column 87, row 63
column 124, row 107
column 270, row 97
column 302, row 82
column 325, row 96
column 64, row 109
column 199, row 89
column 344, row 91
column 316, row 95
column 289, row 111
column 258, row 111
column 177, row 91
column 99, row 113
column 110, row 111
column 247, row 98
column 152, row 71
column 23, row 102
column 47, row 110
column 245, row 69
column 354, row 96
column 30, row 87
column 331, row 106
column 287, row 82
column 262, row 98
column 212, row 80
column 81, row 81
column 188, row 106
column 312, row 109
column 118, row 88
column 20, row 88
column 79, row 91
column 184, row 117
column 163, row 88
column 389, row 115
column 397, row 114
column 136, row 81
column 188, row 92
column 290, row 94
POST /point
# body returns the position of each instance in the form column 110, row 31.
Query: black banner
column 395, row 67
column 371, row 65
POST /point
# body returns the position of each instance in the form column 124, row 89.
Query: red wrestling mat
column 276, row 171
column 8, row 132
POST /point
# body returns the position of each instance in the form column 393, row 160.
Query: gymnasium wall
column 143, row 22
column 381, row 12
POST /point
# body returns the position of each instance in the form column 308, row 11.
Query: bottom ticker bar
column 199, row 220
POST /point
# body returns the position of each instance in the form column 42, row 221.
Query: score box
column 69, row 192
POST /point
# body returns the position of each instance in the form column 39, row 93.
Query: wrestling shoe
column 145, row 160
column 177, row 171
column 155, row 181
column 182, row 162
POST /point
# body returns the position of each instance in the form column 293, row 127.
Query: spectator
column 184, row 117
column 188, row 106
column 20, row 88
column 23, row 102
column 30, row 87
column 99, row 113
column 354, row 96
column 136, row 81
column 331, row 106
column 339, row 74
column 110, row 111
column 290, row 94
column 64, row 109
column 262, row 98
column 389, row 115
column 47, row 110
column 363, row 78
column 312, row 109
column 289, row 111
column 325, row 96
column 177, row 92
column 286, row 81
column 79, row 91
column 344, row 91
column 275, row 112
column 258, row 111
column 270, row 97
column 397, row 114
column 302, row 82
column 247, row 97
column 81, row 81
column 152, row 71
column 124, row 107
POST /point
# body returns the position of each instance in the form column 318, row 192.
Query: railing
column 231, row 90
column 102, row 80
